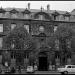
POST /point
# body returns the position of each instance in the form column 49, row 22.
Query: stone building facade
column 38, row 45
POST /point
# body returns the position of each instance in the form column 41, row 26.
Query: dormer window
column 1, row 27
column 26, row 14
column 2, row 12
column 55, row 15
column 67, row 16
column 1, row 15
column 14, row 13
column 41, row 17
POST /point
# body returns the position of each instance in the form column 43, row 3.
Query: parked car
column 66, row 69
column 30, row 69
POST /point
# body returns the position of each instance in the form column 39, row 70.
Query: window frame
column 2, row 28
column 1, row 42
column 28, row 30
column 13, row 24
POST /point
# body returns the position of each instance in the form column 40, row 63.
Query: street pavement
column 42, row 72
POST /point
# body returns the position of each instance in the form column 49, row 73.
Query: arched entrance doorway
column 19, row 58
column 43, row 61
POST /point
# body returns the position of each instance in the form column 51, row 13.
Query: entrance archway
column 43, row 62
column 19, row 59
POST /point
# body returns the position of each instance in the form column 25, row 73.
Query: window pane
column 73, row 66
column 26, row 16
column 27, row 27
column 1, row 14
column 66, row 18
column 13, row 26
column 55, row 28
column 41, row 28
column 14, row 16
column 41, row 17
column 1, row 27
column 1, row 39
column 69, row 67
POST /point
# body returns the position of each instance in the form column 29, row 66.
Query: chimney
column 48, row 7
column 28, row 5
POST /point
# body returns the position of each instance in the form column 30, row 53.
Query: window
column 73, row 66
column 66, row 18
column 12, row 45
column 55, row 28
column 68, row 43
column 1, row 40
column 14, row 15
column 26, row 16
column 26, row 27
column 13, row 26
column 41, row 28
column 41, row 17
column 69, row 67
column 55, row 17
column 1, row 27
column 1, row 14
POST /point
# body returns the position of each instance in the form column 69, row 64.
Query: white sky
column 54, row 5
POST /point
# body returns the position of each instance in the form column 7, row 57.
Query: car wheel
column 65, row 72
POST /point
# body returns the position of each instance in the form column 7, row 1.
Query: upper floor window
column 41, row 28
column 26, row 27
column 1, row 40
column 55, row 17
column 55, row 28
column 2, row 12
column 26, row 16
column 1, row 27
column 14, row 15
column 1, row 15
column 13, row 26
column 41, row 17
column 66, row 18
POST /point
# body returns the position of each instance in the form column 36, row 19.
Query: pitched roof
column 2, row 10
column 35, row 10
column 26, row 11
column 38, row 10
column 55, row 13
column 67, row 14
column 14, row 11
